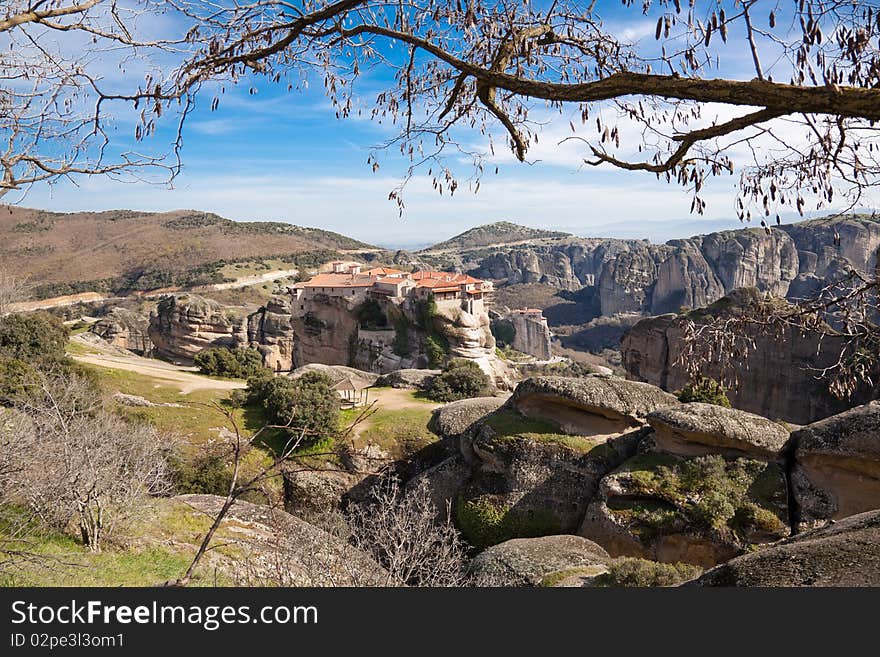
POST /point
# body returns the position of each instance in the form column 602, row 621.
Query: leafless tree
column 67, row 68
column 79, row 460
column 396, row 527
column 396, row 530
column 797, row 124
column 399, row 526
column 840, row 320
column 12, row 289
column 239, row 445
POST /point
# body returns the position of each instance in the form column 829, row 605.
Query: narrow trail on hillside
column 184, row 378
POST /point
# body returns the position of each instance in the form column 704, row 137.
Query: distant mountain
column 500, row 232
column 124, row 250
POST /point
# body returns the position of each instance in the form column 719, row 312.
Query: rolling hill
column 500, row 232
column 124, row 250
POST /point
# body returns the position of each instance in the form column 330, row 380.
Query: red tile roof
column 383, row 271
column 341, row 280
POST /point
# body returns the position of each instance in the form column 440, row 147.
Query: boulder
column 273, row 547
column 700, row 510
column 125, row 328
column 443, row 482
column 846, row 553
column 836, row 469
column 454, row 419
column 407, row 378
column 529, row 478
column 184, row 325
column 309, row 493
column 589, row 406
column 697, row 428
column 527, row 561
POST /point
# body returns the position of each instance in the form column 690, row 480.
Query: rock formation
column 454, row 419
column 271, row 330
column 697, row 429
column 328, row 333
column 184, row 325
column 636, row 276
column 530, row 561
column 778, row 380
column 844, row 554
column 836, row 466
column 276, row 548
column 589, row 406
column 531, row 333
column 125, row 328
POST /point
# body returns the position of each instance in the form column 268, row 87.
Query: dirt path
column 184, row 378
column 56, row 302
column 394, row 399
column 247, row 281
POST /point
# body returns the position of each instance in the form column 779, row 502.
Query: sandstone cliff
column 637, row 276
column 184, row 325
column 125, row 328
column 777, row 380
column 324, row 330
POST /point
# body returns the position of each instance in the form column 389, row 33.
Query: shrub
column 708, row 491
column 437, row 349
column 13, row 375
column 705, row 390
column 307, row 403
column 483, row 523
column 207, row 475
column 33, row 337
column 632, row 572
column 460, row 379
column 235, row 363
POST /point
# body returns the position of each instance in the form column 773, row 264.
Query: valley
column 579, row 431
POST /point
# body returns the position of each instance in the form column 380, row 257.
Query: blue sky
column 284, row 156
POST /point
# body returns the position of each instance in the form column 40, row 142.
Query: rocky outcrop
column 778, row 379
column 836, row 469
column 846, row 553
column 685, row 278
column 184, row 325
column 824, row 244
column 590, row 406
column 314, row 493
column 127, row 329
column 702, row 510
column 270, row 330
column 530, row 478
column 454, row 419
column 696, row 429
column 275, row 548
column 529, row 561
column 326, row 333
column 469, row 336
column 751, row 258
column 407, row 379
column 636, row 276
column 531, row 334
